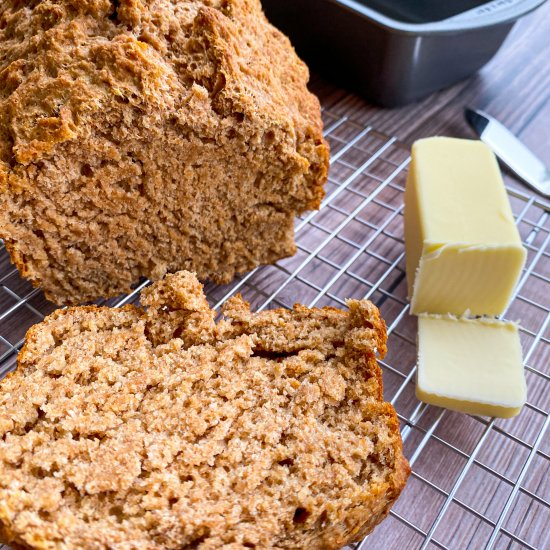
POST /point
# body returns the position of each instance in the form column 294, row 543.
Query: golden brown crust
column 160, row 429
column 142, row 137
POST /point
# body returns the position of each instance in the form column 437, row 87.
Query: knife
column 510, row 150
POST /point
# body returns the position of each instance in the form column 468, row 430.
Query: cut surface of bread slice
column 159, row 428
column 140, row 138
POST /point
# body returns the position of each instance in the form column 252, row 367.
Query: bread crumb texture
column 139, row 137
column 157, row 428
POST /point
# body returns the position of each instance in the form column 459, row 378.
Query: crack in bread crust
column 265, row 430
column 142, row 138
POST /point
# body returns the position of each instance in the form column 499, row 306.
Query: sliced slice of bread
column 160, row 428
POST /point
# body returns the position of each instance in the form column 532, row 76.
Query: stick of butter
column 464, row 251
column 470, row 365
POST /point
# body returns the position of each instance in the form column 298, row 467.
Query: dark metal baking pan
column 396, row 51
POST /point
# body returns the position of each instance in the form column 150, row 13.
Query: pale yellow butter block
column 463, row 249
column 470, row 365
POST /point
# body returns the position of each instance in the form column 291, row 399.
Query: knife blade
column 510, row 150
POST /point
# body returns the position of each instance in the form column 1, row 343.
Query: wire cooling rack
column 476, row 482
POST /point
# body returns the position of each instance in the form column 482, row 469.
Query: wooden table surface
column 514, row 87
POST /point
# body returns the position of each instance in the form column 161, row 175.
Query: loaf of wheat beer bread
column 142, row 137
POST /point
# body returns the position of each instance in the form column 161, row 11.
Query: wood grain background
column 514, row 87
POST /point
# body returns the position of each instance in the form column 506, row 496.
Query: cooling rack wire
column 476, row 482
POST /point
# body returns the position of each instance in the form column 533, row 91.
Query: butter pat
column 470, row 365
column 463, row 249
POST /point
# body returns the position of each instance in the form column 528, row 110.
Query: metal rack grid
column 476, row 482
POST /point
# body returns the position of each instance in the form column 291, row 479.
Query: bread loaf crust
column 161, row 429
column 142, row 137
